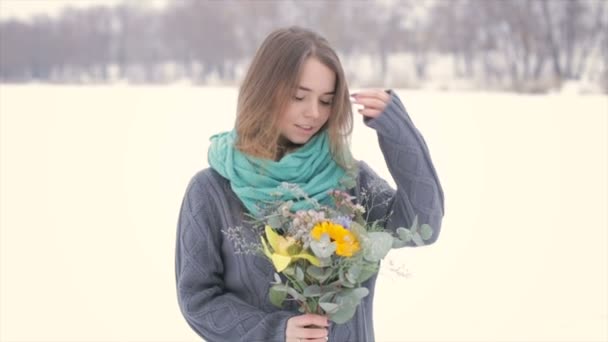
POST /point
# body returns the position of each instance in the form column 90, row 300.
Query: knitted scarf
column 256, row 181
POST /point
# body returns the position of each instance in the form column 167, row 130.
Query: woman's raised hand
column 299, row 330
column 374, row 101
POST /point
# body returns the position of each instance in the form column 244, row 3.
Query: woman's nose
column 313, row 111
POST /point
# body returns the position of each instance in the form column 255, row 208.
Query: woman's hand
column 374, row 101
column 297, row 330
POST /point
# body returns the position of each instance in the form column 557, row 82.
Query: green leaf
column 290, row 271
column 277, row 297
column 352, row 296
column 404, row 234
column 426, row 231
column 414, row 226
column 329, row 308
column 357, row 229
column 344, row 210
column 367, row 271
column 312, row 291
column 275, row 222
column 344, row 281
column 343, row 314
column 398, row 243
column 418, row 240
column 352, row 274
column 299, row 274
column 319, row 273
column 323, row 248
column 360, row 292
column 280, row 287
column 327, row 296
column 295, row 294
column 379, row 244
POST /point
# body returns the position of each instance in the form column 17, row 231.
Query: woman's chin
column 298, row 140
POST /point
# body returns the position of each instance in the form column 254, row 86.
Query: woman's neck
column 284, row 147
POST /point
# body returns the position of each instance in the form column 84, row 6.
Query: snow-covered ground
column 92, row 179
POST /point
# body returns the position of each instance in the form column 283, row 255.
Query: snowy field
column 92, row 180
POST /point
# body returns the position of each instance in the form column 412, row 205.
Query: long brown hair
column 270, row 83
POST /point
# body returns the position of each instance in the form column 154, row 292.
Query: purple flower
column 344, row 221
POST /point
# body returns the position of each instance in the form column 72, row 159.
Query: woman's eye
column 298, row 98
column 326, row 103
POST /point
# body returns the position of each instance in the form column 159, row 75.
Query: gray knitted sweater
column 224, row 296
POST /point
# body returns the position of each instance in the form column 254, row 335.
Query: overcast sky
column 24, row 9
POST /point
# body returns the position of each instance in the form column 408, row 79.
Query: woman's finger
column 370, row 102
column 310, row 333
column 379, row 94
column 310, row 319
column 372, row 113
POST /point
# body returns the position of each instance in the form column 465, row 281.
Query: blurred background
column 515, row 45
column 107, row 106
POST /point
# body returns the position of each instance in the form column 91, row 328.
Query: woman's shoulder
column 206, row 184
column 364, row 170
column 207, row 175
column 368, row 178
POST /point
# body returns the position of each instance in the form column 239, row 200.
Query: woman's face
column 310, row 106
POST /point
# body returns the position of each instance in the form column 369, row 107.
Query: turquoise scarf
column 256, row 180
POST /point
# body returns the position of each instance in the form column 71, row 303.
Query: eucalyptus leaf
column 379, row 244
column 418, row 240
column 398, row 243
column 290, row 271
column 319, row 273
column 358, row 229
column 414, row 226
column 352, row 296
column 343, row 314
column 327, row 296
column 367, row 271
column 344, row 210
column 275, row 222
column 312, row 291
column 344, row 281
column 361, row 292
column 280, row 287
column 426, row 231
column 299, row 273
column 295, row 294
column 323, row 248
column 404, row 234
column 353, row 273
column 276, row 296
column 277, row 278
column 329, row 308
column 346, row 297
column 324, row 262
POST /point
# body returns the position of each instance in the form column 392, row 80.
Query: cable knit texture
column 224, row 296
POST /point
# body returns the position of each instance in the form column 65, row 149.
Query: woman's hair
column 271, row 82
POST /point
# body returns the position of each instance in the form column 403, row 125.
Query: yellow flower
column 284, row 250
column 346, row 242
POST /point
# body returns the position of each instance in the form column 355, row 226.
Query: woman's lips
column 304, row 128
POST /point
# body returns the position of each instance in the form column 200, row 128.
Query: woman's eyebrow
column 307, row 89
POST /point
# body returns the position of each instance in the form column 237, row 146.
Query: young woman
column 294, row 117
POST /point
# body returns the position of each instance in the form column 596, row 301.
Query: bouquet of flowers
column 325, row 253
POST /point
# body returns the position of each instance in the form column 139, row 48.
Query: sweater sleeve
column 212, row 312
column 419, row 191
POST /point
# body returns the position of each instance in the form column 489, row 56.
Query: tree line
column 521, row 45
